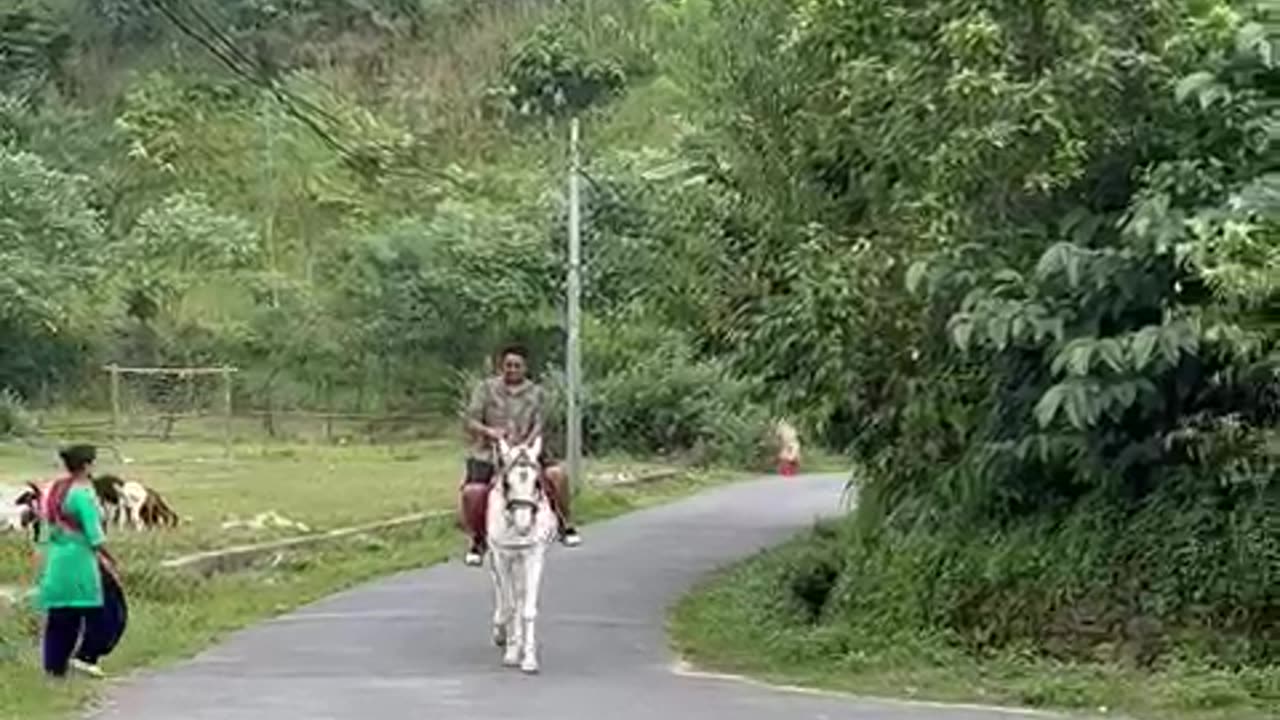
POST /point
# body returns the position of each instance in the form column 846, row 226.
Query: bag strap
column 72, row 525
column 51, row 506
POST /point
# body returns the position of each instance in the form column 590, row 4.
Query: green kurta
column 69, row 576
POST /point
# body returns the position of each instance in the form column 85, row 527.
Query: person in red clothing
column 788, row 448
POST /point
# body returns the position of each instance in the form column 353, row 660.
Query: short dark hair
column 514, row 349
column 77, row 457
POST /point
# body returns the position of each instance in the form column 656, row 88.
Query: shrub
column 14, row 418
column 1183, row 574
column 651, row 393
column 646, row 392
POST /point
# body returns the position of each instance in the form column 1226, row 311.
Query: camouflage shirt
column 518, row 409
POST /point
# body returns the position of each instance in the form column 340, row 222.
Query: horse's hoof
column 529, row 667
column 510, row 662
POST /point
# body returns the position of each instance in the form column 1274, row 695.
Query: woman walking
column 73, row 564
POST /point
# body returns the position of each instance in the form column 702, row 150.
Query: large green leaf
column 962, row 328
column 1143, row 346
column 1194, row 84
column 1112, row 352
column 1050, row 404
column 1078, row 406
column 999, row 329
column 1076, row 357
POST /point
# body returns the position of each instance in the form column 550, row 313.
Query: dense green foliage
column 1068, row 427
column 1020, row 258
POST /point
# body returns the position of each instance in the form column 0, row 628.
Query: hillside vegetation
column 351, row 202
column 1018, row 258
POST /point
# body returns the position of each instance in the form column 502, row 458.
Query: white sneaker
column 474, row 557
column 83, row 667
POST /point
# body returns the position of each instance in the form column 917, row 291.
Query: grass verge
column 175, row 615
column 739, row 622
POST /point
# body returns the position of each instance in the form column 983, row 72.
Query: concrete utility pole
column 573, row 364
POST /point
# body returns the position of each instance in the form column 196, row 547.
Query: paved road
column 416, row 645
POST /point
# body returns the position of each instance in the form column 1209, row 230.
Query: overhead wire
column 197, row 25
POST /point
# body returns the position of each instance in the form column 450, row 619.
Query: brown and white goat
column 131, row 502
column 27, row 504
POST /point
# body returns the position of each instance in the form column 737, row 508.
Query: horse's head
column 521, row 489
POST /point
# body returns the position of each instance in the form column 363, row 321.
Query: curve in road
column 416, row 645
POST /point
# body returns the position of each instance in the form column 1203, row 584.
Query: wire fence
column 244, row 426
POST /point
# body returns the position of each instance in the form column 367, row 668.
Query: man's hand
column 495, row 434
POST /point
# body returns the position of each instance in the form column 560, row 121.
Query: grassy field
column 175, row 615
column 323, row 487
column 731, row 624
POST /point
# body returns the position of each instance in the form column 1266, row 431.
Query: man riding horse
column 508, row 406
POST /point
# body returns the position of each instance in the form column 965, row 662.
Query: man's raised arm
column 473, row 418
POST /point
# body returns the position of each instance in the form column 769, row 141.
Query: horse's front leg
column 513, row 591
column 501, row 602
column 532, row 572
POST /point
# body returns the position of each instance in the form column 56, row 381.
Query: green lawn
column 175, row 615
column 322, row 486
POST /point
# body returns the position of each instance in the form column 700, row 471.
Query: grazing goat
column 11, row 510
column 129, row 501
column 26, row 507
column 109, row 491
column 154, row 511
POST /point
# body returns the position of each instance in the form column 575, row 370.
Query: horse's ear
column 535, row 447
column 504, row 449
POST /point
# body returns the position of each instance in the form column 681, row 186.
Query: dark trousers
column 88, row 633
column 115, row 616
column 63, row 629
column 475, row 496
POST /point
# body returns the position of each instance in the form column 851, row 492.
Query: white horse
column 520, row 525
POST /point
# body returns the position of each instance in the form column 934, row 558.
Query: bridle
column 521, row 460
